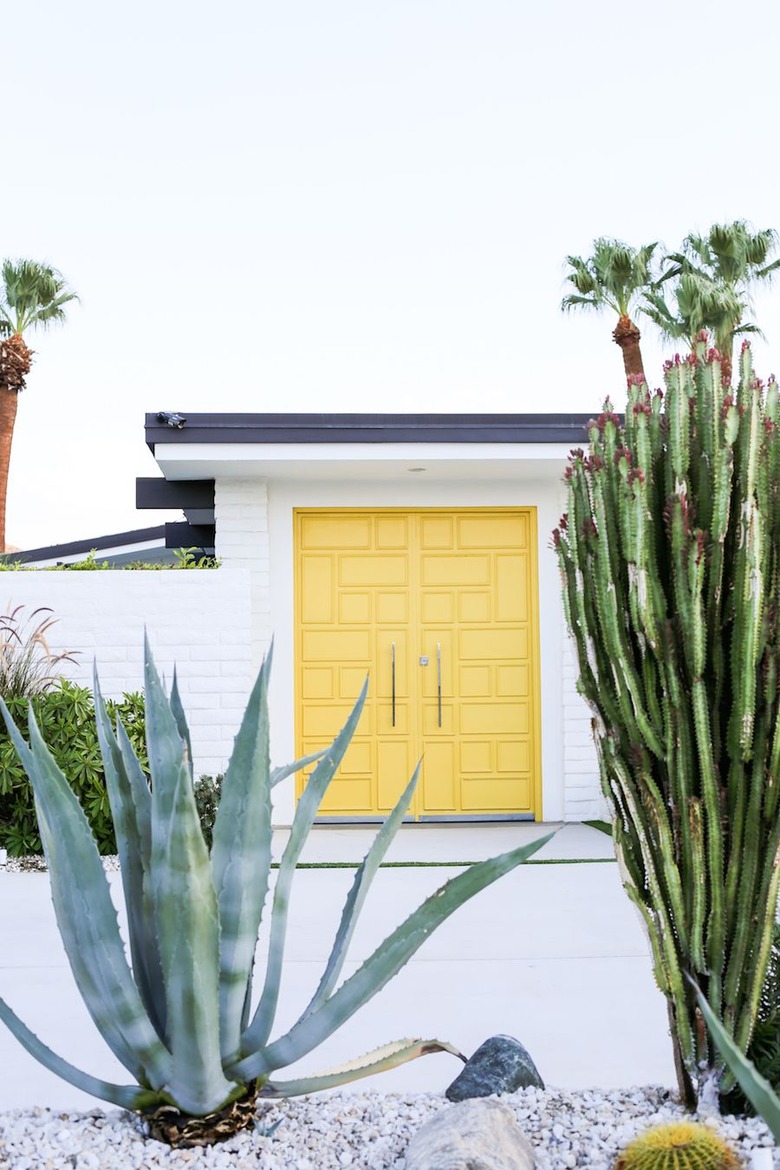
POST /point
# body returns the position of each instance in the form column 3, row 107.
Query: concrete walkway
column 552, row 954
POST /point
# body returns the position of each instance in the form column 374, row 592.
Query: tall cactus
column 670, row 562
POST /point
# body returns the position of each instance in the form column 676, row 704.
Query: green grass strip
column 447, row 864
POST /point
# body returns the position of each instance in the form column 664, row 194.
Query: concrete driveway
column 552, row 954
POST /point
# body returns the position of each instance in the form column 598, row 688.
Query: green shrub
column 66, row 716
column 208, row 790
column 184, row 558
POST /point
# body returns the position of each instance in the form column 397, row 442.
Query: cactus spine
column 680, row 1145
column 670, row 562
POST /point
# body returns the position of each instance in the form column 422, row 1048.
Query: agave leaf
column 380, row 1060
column 756, row 1088
column 381, row 966
column 126, row 1096
column 130, row 801
column 180, row 717
column 241, row 861
column 258, row 1031
column 187, row 922
column 357, row 895
column 285, row 770
column 86, row 916
column 166, row 748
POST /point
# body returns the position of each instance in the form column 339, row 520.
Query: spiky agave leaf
column 241, row 861
column 86, row 916
column 379, row 968
column 756, row 1088
column 357, row 895
column 260, row 1028
column 130, row 800
column 186, row 915
column 125, row 1096
column 379, row 1060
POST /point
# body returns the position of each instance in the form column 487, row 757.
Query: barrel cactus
column 680, row 1145
column 670, row 561
column 181, row 1015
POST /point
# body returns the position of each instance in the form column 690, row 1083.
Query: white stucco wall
column 255, row 531
column 197, row 621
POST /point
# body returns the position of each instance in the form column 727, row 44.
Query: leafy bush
column 66, row 717
column 208, row 790
column 184, row 558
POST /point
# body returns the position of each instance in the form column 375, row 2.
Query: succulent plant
column 670, row 561
column 181, row 1016
column 756, row 1088
column 680, row 1145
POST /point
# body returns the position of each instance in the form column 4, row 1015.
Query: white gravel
column 364, row 1131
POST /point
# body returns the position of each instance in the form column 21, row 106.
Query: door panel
column 438, row 607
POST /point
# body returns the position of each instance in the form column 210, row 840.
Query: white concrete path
column 552, row 954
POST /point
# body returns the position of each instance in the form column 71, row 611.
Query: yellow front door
column 439, row 608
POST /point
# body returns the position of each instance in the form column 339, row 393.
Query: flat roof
column 221, row 428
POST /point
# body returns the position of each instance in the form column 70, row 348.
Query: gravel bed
column 364, row 1131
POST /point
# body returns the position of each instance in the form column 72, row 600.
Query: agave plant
column 181, row 1016
column 756, row 1088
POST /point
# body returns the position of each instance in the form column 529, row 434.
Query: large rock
column 500, row 1065
column 474, row 1135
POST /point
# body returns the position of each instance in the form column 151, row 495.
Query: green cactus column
column 670, row 562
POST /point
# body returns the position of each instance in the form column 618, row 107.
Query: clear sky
column 350, row 205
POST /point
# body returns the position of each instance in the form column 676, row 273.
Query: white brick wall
column 583, row 791
column 241, row 514
column 197, row 620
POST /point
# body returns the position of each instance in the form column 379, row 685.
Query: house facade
column 413, row 550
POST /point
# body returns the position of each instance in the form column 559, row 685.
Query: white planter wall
column 197, row 620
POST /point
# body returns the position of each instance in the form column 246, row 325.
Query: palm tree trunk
column 626, row 335
column 9, row 402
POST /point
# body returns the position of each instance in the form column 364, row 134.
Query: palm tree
column 715, row 274
column 614, row 277
column 33, row 296
column 701, row 304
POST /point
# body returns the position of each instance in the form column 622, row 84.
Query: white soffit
column 360, row 461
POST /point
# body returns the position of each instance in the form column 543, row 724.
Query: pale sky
column 348, row 205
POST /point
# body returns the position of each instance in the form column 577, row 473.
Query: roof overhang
column 365, row 447
column 358, row 461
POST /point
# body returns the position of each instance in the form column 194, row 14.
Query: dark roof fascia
column 156, row 492
column 98, row 543
column 369, row 428
column 182, row 535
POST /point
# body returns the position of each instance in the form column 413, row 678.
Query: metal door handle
column 392, row 673
column 438, row 677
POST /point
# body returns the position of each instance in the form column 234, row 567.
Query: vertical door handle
column 438, row 678
column 392, row 677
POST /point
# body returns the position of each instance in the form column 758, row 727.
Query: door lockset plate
column 423, row 660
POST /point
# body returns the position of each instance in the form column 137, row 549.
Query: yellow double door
column 439, row 608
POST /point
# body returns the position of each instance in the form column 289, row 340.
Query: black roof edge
column 51, row 551
column 156, row 492
column 179, row 534
column 368, row 428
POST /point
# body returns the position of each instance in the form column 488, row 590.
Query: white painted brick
column 581, row 753
column 577, row 738
column 578, row 769
column 198, row 621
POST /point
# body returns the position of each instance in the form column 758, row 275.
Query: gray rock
column 474, row 1135
column 500, row 1065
